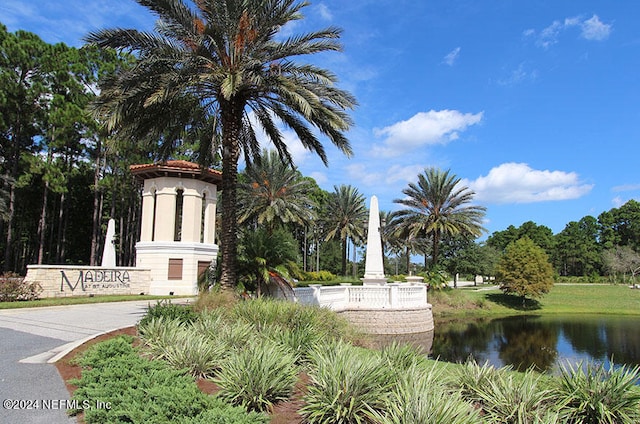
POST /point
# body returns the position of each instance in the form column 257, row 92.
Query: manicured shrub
column 13, row 288
column 318, row 276
column 348, row 385
column 168, row 310
column 593, row 394
column 225, row 414
column 138, row 390
column 106, row 351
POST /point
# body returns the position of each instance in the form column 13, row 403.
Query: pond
column 543, row 342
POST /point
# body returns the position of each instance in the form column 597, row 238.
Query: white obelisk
column 109, row 251
column 373, row 265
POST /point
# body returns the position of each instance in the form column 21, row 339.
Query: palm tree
column 438, row 206
column 266, row 258
column 272, row 192
column 346, row 217
column 226, row 59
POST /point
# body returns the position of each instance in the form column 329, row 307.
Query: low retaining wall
column 65, row 281
column 391, row 321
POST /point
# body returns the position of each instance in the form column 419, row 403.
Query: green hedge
column 118, row 385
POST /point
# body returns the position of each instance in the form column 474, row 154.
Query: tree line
column 72, row 121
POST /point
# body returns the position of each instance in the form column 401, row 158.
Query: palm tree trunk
column 231, row 118
column 436, row 242
column 344, row 257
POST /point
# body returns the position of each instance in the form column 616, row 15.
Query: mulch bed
column 282, row 413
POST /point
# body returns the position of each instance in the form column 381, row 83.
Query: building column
column 210, row 219
column 191, row 216
column 146, row 222
column 165, row 214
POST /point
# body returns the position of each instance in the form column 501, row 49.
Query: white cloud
column 424, row 128
column 320, row 177
column 519, row 183
column 452, row 56
column 594, row 29
column 403, row 173
column 519, row 75
column 549, row 35
column 325, row 12
column 618, row 201
column 626, row 187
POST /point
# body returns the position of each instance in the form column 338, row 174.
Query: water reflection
column 544, row 343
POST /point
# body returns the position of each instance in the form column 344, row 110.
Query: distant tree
column 439, row 206
column 274, row 193
column 621, row 226
column 468, row 257
column 622, row 259
column 346, row 217
column 499, row 240
column 541, row 235
column 577, row 250
column 524, row 270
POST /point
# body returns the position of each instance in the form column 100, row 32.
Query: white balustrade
column 388, row 296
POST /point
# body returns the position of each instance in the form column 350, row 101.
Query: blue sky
column 534, row 104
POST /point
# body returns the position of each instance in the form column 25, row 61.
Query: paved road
column 34, row 338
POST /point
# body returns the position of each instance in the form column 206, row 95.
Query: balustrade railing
column 388, row 296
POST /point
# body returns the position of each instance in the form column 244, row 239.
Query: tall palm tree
column 346, row 217
column 273, row 192
column 438, row 206
column 227, row 59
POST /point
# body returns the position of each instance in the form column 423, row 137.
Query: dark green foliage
column 141, row 391
column 593, row 395
column 13, row 288
column 267, row 258
column 437, row 207
column 524, row 270
column 169, row 311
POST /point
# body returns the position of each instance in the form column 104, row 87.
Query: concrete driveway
column 31, row 389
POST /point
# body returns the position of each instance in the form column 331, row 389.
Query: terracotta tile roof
column 175, row 168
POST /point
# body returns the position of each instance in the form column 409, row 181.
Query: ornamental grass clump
column 182, row 346
column 265, row 313
column 347, row 385
column 234, row 335
column 471, row 379
column 258, row 376
column 592, row 394
column 421, row 397
column 402, row 357
column 518, row 398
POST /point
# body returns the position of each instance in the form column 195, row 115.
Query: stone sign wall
column 64, row 281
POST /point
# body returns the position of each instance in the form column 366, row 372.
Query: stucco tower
column 177, row 240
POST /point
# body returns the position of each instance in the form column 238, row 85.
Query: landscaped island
column 265, row 354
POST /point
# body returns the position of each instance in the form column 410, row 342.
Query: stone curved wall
column 391, row 321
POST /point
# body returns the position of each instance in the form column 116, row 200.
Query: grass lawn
column 60, row 301
column 562, row 299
